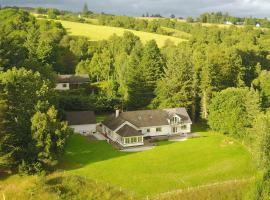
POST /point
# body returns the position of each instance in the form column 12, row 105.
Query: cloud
column 257, row 8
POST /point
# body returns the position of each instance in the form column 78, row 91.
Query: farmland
column 97, row 32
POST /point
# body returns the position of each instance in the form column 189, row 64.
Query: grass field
column 211, row 167
column 97, row 32
column 170, row 166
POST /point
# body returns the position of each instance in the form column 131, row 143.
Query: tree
column 262, row 152
column 20, row 91
column 189, row 19
column 233, row 110
column 52, row 14
column 49, row 135
column 220, row 69
column 152, row 67
column 172, row 16
column 136, row 83
column 121, row 70
column 85, row 9
column 175, row 88
column 263, row 85
column 261, row 127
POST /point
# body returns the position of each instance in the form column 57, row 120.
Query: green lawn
column 98, row 32
column 167, row 167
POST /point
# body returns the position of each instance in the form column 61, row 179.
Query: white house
column 130, row 128
column 67, row 82
column 228, row 23
column 83, row 122
column 258, row 25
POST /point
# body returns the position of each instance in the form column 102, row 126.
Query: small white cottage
column 83, row 122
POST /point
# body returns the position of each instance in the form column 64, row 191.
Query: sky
column 181, row 8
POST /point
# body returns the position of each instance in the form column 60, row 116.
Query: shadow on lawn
column 80, row 152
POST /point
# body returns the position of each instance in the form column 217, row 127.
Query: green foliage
column 261, row 140
column 152, row 67
column 189, row 19
column 49, row 134
column 52, row 13
column 21, row 92
column 262, row 83
column 233, row 110
column 175, row 88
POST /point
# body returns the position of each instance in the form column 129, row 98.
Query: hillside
column 97, row 32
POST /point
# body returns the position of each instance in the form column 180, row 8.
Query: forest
column 221, row 75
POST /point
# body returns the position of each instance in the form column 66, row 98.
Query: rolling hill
column 98, row 32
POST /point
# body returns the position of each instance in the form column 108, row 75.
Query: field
column 211, row 167
column 170, row 166
column 97, row 32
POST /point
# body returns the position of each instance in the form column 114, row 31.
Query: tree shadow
column 80, row 152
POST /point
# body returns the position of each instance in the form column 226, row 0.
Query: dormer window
column 175, row 120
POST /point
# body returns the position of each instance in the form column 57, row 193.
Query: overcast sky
column 256, row 8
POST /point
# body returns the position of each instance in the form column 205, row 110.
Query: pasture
column 98, row 32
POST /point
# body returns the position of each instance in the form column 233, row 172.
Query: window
column 139, row 139
column 174, row 129
column 127, row 140
column 158, row 129
column 184, row 127
column 148, row 130
column 134, row 140
column 64, row 85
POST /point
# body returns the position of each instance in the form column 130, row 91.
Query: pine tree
column 175, row 88
column 136, row 82
column 152, row 67
column 85, row 9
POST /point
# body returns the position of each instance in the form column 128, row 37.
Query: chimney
column 117, row 113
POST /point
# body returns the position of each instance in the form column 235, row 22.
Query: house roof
column 72, row 78
column 80, row 117
column 147, row 118
column 128, row 131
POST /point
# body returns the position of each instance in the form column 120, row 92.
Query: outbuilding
column 67, row 82
column 83, row 122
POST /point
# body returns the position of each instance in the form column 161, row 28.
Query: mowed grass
column 98, row 32
column 170, row 166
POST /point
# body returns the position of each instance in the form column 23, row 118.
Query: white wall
column 165, row 130
column 60, row 86
column 85, row 129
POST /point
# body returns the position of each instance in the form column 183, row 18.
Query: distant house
column 228, row 23
column 130, row 128
column 258, row 25
column 83, row 122
column 66, row 82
